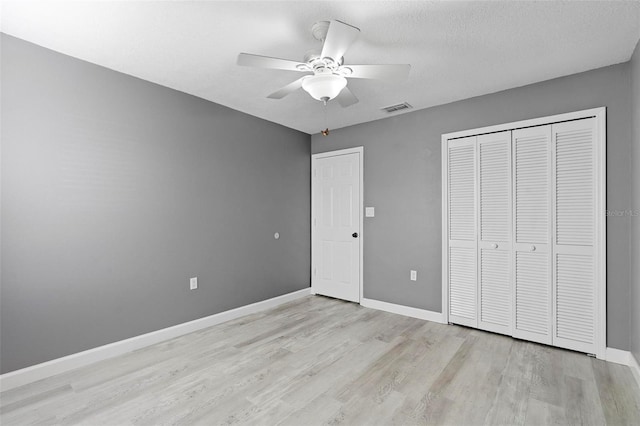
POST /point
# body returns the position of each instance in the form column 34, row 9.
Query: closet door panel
column 494, row 224
column 461, row 211
column 462, row 285
column 495, row 290
column 532, row 296
column 574, row 183
column 532, row 317
column 574, row 302
column 462, row 188
column 574, row 235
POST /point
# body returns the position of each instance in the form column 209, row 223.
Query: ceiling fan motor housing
column 316, row 64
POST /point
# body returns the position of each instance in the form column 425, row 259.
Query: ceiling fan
column 329, row 78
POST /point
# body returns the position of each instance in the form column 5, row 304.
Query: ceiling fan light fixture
column 327, row 65
column 324, row 87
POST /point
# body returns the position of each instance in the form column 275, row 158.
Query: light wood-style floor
column 323, row 361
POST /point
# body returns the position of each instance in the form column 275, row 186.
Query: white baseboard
column 36, row 372
column 403, row 310
column 625, row 358
column 635, row 367
column 617, row 356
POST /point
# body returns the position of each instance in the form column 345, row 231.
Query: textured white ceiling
column 457, row 49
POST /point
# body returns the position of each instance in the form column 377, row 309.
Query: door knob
column 354, row 235
column 494, row 245
column 532, row 248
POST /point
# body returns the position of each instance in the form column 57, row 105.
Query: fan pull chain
column 325, row 132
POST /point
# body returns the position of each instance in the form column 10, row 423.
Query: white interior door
column 494, row 238
column 532, row 251
column 462, row 244
column 336, row 224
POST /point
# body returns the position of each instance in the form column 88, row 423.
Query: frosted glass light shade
column 324, row 87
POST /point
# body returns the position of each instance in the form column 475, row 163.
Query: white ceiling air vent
column 398, row 107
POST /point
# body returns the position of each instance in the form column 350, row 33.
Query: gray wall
column 635, row 220
column 115, row 191
column 402, row 181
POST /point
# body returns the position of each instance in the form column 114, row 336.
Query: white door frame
column 314, row 158
column 600, row 242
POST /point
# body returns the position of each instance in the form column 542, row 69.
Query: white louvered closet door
column 494, row 226
column 574, row 235
column 461, row 208
column 532, row 317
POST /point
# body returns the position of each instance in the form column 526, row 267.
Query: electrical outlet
column 414, row 275
column 193, row 283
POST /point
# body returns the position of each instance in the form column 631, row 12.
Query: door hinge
column 315, row 271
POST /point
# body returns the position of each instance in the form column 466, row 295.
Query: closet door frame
column 600, row 266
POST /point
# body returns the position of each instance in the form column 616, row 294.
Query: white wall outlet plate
column 414, row 275
column 369, row 211
column 193, row 283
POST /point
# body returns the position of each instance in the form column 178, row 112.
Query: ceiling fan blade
column 379, row 72
column 250, row 60
column 346, row 98
column 338, row 39
column 289, row 88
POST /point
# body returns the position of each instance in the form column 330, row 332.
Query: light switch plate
column 369, row 212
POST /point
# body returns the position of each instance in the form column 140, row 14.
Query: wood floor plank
column 543, row 413
column 582, row 402
column 317, row 411
column 480, row 376
column 334, row 376
column 367, row 410
column 510, row 402
column 620, row 401
column 374, row 370
column 59, row 392
column 318, row 360
column 547, row 375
